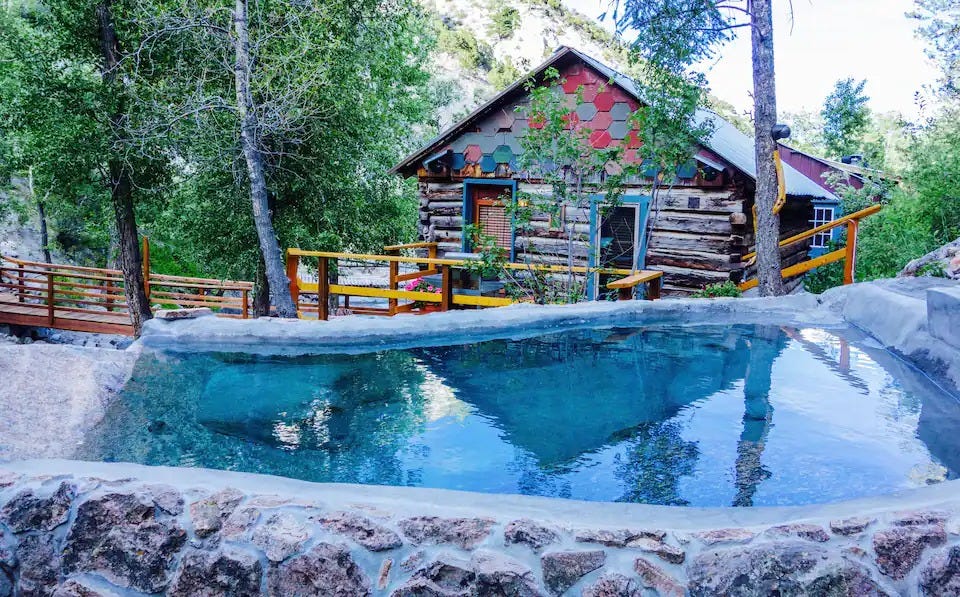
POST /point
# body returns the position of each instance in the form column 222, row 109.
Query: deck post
column 293, row 262
column 21, row 290
column 625, row 294
column 653, row 288
column 394, row 272
column 146, row 267
column 323, row 289
column 446, row 288
column 244, row 303
column 50, row 298
column 850, row 259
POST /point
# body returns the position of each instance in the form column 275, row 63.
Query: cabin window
column 616, row 236
column 822, row 215
column 491, row 216
column 485, row 204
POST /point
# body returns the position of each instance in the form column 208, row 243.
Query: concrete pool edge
column 216, row 530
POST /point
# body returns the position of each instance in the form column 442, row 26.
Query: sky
column 827, row 40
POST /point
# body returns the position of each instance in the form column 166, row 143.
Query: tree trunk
column 269, row 247
column 42, row 215
column 121, row 184
column 261, row 291
column 765, row 116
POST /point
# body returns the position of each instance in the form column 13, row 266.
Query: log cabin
column 696, row 231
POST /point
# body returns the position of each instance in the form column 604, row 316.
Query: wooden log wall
column 441, row 214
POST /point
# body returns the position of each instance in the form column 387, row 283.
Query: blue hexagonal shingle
column 586, row 111
column 618, row 130
column 488, row 143
column 458, row 161
column 488, row 164
column 620, row 111
column 502, row 154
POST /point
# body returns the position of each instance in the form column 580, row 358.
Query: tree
column 66, row 111
column 674, row 35
column 845, row 118
column 939, row 24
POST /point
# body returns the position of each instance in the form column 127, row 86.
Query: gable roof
column 726, row 141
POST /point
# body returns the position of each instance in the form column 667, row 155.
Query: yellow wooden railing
column 446, row 299
column 848, row 254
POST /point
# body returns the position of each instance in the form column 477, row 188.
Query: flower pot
column 431, row 308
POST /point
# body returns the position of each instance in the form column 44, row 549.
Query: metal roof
column 725, row 140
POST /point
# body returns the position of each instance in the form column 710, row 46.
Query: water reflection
column 710, row 415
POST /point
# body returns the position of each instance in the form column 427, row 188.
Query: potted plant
column 421, row 285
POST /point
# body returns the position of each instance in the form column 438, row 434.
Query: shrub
column 725, row 289
column 504, row 21
column 503, row 74
column 470, row 52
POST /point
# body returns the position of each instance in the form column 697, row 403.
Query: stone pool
column 701, row 415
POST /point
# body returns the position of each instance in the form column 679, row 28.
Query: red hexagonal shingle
column 473, row 153
column 604, row 100
column 570, row 120
column 572, row 82
column 630, row 156
column 589, row 92
column 633, row 140
column 600, row 139
column 601, row 121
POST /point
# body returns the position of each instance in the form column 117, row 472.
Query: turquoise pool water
column 702, row 415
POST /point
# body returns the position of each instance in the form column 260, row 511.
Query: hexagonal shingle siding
column 488, row 164
column 601, row 121
column 604, row 100
column 620, row 111
column 618, row 130
column 473, row 154
column 586, row 111
column 502, row 154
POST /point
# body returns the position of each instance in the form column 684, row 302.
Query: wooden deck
column 38, row 315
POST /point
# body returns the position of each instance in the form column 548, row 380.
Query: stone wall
column 82, row 535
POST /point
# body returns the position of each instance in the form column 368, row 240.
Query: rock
column 79, row 587
column 616, row 537
column 465, row 533
column 613, row 585
column 778, row 568
column 668, row 553
column 851, row 526
column 6, row 584
column 941, row 575
column 8, row 479
column 326, row 570
column 942, row 262
column 383, row 577
column 562, row 569
column 281, row 536
column 811, row 532
column 725, row 536
column 412, row 561
column 444, row 577
column 7, row 559
column 210, row 574
column 898, row 549
column 362, row 530
column 119, row 537
column 530, row 533
column 166, row 498
column 912, row 519
column 39, row 561
column 238, row 526
column 653, row 577
column 209, row 513
column 175, row 314
column 29, row 512
column 498, row 574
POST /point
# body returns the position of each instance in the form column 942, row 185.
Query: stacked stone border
column 197, row 532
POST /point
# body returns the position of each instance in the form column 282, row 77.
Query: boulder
column 613, row 585
column 80, row 587
column 898, row 549
column 281, row 536
column 653, row 577
column 941, row 575
column 498, row 574
column 716, row 536
column 527, row 532
column 166, row 498
column 362, row 530
column 943, row 262
column 664, row 551
column 175, row 314
column 562, row 569
column 810, row 532
column 120, row 537
column 39, row 560
column 28, row 511
column 446, row 576
column 326, row 569
column 465, row 533
column 210, row 574
column 209, row 513
column 616, row 537
column 851, row 526
column 779, row 567
column 239, row 525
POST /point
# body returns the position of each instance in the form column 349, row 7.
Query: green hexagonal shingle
column 502, row 154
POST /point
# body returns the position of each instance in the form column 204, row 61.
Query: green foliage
column 504, row 20
column 503, row 74
column 471, row 53
column 725, row 289
column 939, row 23
column 845, row 117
